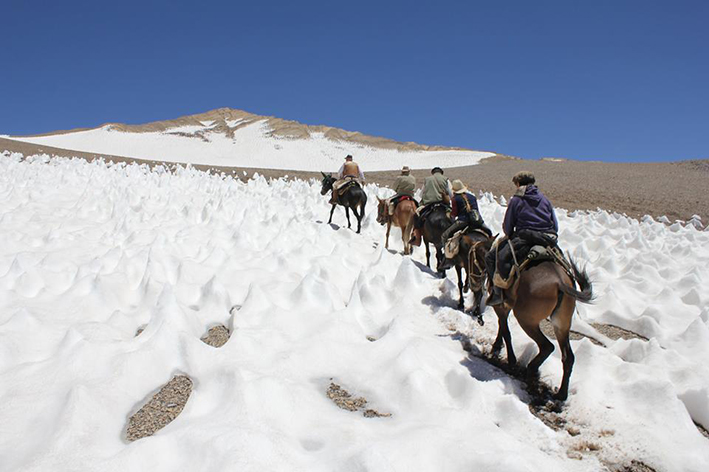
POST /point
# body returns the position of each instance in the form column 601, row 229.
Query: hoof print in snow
column 161, row 409
column 217, row 336
column 371, row 339
column 343, row 399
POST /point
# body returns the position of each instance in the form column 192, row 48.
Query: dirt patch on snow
column 344, row 399
column 615, row 332
column 217, row 336
column 161, row 409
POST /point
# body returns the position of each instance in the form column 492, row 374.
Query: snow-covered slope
column 90, row 252
column 253, row 141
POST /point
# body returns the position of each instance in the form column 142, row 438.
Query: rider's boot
column 495, row 298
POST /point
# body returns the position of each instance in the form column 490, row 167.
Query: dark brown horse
column 355, row 198
column 436, row 222
column 470, row 257
column 403, row 218
column 544, row 291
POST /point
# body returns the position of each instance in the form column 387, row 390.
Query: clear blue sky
column 610, row 80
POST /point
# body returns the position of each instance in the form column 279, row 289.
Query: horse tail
column 585, row 292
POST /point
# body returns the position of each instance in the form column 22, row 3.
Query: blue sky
column 603, row 80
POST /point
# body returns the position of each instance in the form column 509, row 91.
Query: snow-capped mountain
column 228, row 137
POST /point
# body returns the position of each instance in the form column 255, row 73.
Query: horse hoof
column 560, row 396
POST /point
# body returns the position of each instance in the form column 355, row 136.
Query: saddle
column 536, row 255
column 346, row 187
column 403, row 198
column 452, row 246
column 423, row 212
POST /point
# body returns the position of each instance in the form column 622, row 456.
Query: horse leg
column 347, row 212
column 561, row 320
column 503, row 334
column 428, row 255
column 386, row 243
column 406, row 237
column 458, row 271
column 331, row 212
column 359, row 218
column 478, row 298
column 439, row 258
column 545, row 346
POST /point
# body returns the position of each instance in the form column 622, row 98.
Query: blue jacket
column 465, row 207
column 532, row 210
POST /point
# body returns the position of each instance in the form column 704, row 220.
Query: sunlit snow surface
column 252, row 146
column 90, row 252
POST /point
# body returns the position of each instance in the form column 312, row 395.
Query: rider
column 530, row 220
column 465, row 213
column 404, row 187
column 349, row 171
column 435, row 190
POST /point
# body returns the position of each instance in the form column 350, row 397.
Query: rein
column 476, row 279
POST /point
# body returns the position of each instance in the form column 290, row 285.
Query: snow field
column 90, row 252
column 252, row 146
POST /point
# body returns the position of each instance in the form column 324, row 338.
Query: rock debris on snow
column 343, row 399
column 161, row 409
column 217, row 336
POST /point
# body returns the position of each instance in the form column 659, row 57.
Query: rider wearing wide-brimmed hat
column 348, row 172
column 529, row 220
column 465, row 212
column 435, row 190
column 404, row 186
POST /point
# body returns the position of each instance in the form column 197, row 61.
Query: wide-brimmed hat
column 405, row 170
column 458, row 187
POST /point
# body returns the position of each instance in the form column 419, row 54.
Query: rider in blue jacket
column 529, row 221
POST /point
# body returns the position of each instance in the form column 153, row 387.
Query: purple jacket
column 530, row 211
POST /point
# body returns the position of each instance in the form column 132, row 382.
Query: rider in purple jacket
column 529, row 221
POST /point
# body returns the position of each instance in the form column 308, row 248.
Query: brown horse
column 544, row 291
column 403, row 218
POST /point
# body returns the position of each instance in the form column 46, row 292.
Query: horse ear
column 323, row 174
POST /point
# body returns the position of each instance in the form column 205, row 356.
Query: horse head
column 327, row 181
column 382, row 211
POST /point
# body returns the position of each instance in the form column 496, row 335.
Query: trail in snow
column 90, row 252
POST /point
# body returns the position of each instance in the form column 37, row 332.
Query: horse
column 544, row 291
column 437, row 221
column 355, row 198
column 471, row 251
column 403, row 218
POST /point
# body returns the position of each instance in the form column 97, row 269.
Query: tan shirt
column 435, row 189
column 350, row 168
column 405, row 185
